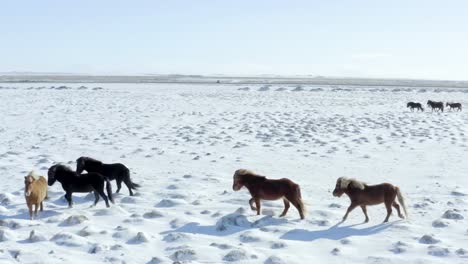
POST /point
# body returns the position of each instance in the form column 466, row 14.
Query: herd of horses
column 96, row 180
column 435, row 106
column 98, row 177
column 360, row 194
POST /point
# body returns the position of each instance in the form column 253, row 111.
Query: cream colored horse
column 35, row 191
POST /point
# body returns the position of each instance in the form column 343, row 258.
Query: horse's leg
column 251, row 201
column 397, row 207
column 68, row 196
column 96, row 197
column 297, row 204
column 30, row 211
column 286, row 207
column 35, row 209
column 42, row 207
column 128, row 182
column 388, row 205
column 119, row 184
column 257, row 204
column 103, row 195
column 350, row 208
column 364, row 210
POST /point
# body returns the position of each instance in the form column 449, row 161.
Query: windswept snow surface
column 183, row 143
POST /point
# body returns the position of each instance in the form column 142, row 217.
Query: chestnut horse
column 362, row 195
column 262, row 188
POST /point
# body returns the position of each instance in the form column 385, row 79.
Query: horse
column 35, row 191
column 457, row 106
column 116, row 171
column 412, row 106
column 74, row 182
column 262, row 188
column 362, row 195
column 436, row 105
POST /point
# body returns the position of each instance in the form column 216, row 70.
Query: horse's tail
column 133, row 185
column 300, row 204
column 109, row 190
column 401, row 200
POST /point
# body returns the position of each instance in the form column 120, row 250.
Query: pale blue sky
column 367, row 38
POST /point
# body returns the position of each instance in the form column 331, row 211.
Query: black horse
column 73, row 182
column 412, row 106
column 116, row 171
column 457, row 106
column 436, row 105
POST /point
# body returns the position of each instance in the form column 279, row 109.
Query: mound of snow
column 264, row 88
column 438, row 251
column 298, row 89
column 67, row 239
column 139, row 238
column 96, row 248
column 88, row 231
column 452, row 214
column 247, row 237
column 6, row 199
column 428, row 239
column 275, row 260
column 399, row 247
column 6, row 235
column 440, row 223
column 184, row 254
column 316, row 90
column 167, row 203
column 235, row 255
column 12, row 224
column 33, row 237
column 176, row 237
column 155, row 260
column 152, row 214
column 74, row 220
column 461, row 252
column 232, row 220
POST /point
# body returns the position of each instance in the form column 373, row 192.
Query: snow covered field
column 183, row 143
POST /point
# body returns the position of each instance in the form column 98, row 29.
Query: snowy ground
column 183, row 143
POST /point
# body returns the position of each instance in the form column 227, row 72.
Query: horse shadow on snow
column 335, row 232
column 228, row 225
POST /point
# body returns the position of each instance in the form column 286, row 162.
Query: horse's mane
column 248, row 175
column 64, row 168
column 88, row 159
column 352, row 183
column 34, row 175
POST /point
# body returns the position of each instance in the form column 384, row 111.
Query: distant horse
column 435, row 105
column 362, row 195
column 412, row 106
column 116, row 171
column 73, row 182
column 35, row 191
column 457, row 106
column 262, row 188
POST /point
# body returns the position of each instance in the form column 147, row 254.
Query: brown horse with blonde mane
column 362, row 195
column 262, row 188
column 35, row 191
